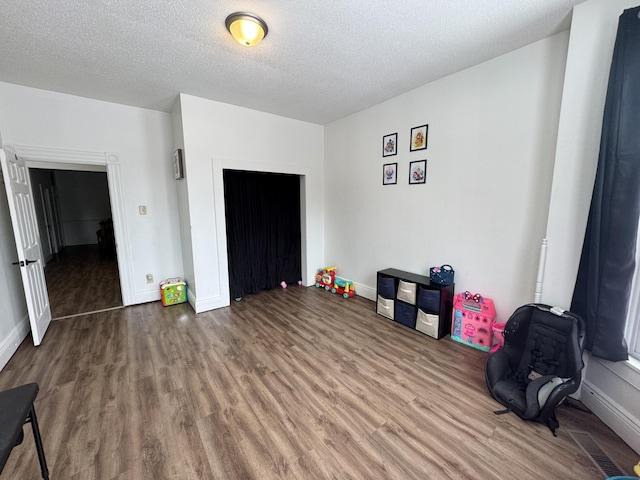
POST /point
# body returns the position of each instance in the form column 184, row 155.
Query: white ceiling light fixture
column 248, row 29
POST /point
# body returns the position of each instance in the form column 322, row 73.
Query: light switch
column 142, row 209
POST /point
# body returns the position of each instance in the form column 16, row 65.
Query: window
column 632, row 334
column 633, row 322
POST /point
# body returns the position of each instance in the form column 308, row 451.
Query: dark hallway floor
column 81, row 280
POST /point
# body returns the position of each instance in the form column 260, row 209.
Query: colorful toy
column 343, row 287
column 473, row 320
column 173, row 291
column 498, row 336
column 325, row 277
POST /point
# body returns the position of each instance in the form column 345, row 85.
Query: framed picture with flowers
column 417, row 172
column 419, row 138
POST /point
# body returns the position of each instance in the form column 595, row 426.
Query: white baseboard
column 146, row 297
column 11, row 343
column 366, row 292
column 191, row 299
column 198, row 306
column 204, row 305
column 612, row 414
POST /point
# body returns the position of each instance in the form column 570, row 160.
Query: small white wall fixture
column 111, row 161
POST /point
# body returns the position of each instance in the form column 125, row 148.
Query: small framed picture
column 178, row 166
column 419, row 138
column 389, row 145
column 390, row 174
column 417, row 172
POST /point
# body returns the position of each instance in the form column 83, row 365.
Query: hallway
column 81, row 280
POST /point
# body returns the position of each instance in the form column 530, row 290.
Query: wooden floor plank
column 286, row 384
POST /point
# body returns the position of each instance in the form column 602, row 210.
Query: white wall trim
column 210, row 303
column 46, row 154
column 146, row 297
column 191, row 298
column 625, row 370
column 11, row 343
column 111, row 160
column 612, row 414
column 365, row 291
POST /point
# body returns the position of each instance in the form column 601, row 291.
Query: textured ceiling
column 322, row 59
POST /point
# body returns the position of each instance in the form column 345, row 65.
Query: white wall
column 610, row 389
column 142, row 140
column 483, row 209
column 219, row 136
column 183, row 208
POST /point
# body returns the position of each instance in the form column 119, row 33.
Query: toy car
column 343, row 287
column 325, row 277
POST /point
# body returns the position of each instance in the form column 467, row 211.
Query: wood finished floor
column 80, row 280
column 295, row 384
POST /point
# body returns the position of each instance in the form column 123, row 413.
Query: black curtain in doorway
column 263, row 230
column 601, row 294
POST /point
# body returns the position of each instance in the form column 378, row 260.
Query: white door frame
column 112, row 163
column 221, row 164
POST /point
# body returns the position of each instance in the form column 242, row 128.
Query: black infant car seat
column 539, row 364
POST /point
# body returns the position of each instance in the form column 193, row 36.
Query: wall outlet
column 149, row 278
column 142, row 209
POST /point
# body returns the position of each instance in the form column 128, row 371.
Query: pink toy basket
column 473, row 321
column 498, row 336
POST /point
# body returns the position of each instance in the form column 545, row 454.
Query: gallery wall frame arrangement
column 417, row 168
column 390, row 144
column 417, row 172
column 178, row 165
column 390, row 174
column 419, row 138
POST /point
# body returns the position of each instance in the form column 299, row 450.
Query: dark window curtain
column 263, row 230
column 607, row 264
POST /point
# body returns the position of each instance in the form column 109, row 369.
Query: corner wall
column 219, row 136
column 183, row 207
column 142, row 140
column 483, row 209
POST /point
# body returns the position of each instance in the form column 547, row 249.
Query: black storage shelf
column 430, row 312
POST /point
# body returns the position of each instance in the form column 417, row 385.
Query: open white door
column 25, row 230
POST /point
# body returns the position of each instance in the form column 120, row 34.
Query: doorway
column 73, row 210
column 263, row 230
